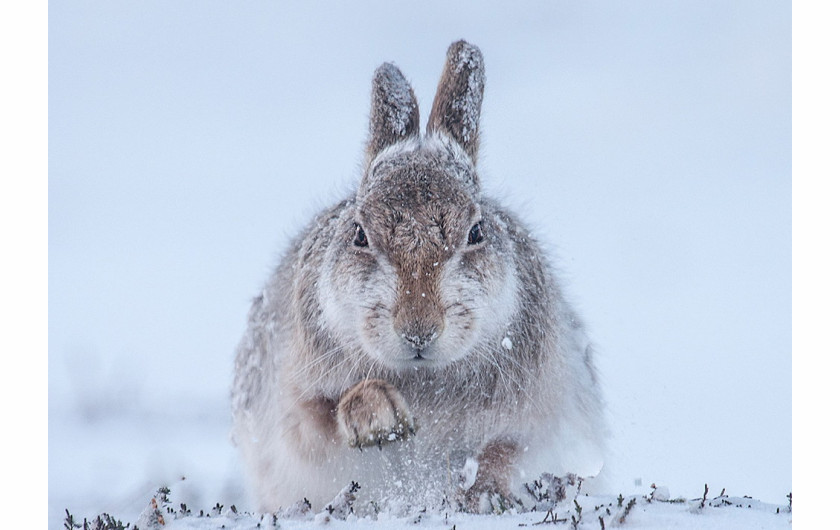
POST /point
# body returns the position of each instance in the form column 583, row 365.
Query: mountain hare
column 413, row 338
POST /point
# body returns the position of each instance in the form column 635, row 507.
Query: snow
column 660, row 493
column 582, row 511
column 647, row 143
column 469, row 473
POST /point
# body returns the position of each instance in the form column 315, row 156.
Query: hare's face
column 420, row 272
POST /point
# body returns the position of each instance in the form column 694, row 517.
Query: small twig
column 705, row 493
column 550, row 513
column 550, row 518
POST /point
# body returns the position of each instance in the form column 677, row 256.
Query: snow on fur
column 468, row 58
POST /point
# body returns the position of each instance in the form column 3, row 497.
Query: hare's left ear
column 394, row 115
column 457, row 105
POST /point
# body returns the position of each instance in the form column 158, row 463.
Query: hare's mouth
column 420, row 357
column 427, row 358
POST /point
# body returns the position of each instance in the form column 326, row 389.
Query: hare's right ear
column 394, row 115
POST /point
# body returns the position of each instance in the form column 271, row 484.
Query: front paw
column 373, row 412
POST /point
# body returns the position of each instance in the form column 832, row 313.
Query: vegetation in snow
column 548, row 500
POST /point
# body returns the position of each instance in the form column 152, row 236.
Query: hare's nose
column 420, row 337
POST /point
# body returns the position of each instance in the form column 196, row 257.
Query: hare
column 413, row 338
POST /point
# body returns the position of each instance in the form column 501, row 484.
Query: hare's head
column 421, row 274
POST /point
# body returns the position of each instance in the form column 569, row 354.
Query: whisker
column 509, row 378
column 327, row 353
column 321, row 377
column 359, row 359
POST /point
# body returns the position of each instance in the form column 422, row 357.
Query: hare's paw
column 485, row 481
column 373, row 412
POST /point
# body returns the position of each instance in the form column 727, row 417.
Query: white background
column 647, row 143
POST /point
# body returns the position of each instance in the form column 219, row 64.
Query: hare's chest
column 451, row 418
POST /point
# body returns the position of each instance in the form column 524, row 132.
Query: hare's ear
column 394, row 115
column 457, row 104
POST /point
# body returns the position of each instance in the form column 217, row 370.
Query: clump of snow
column 298, row 510
column 660, row 493
column 342, row 505
column 469, row 473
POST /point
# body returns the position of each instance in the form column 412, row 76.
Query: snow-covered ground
column 656, row 510
column 648, row 144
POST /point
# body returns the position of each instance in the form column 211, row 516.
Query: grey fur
column 470, row 345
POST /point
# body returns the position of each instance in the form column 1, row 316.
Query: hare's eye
column 361, row 239
column 476, row 234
